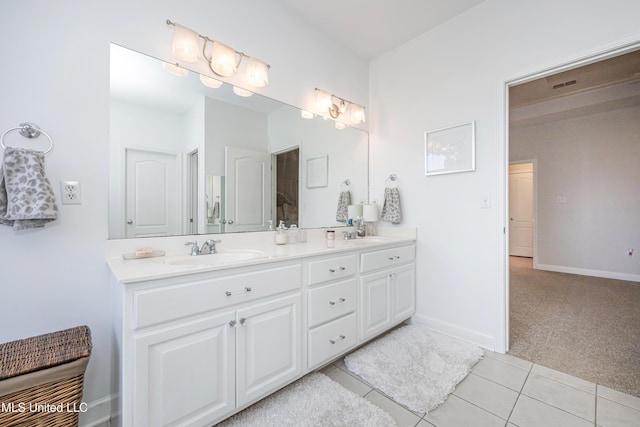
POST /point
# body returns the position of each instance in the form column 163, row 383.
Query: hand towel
column 391, row 209
column 26, row 196
column 344, row 200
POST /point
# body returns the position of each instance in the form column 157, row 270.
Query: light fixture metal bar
column 340, row 98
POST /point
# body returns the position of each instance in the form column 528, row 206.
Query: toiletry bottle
column 281, row 234
column 331, row 238
column 293, row 234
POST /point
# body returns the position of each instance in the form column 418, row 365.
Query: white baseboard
column 587, row 272
column 475, row 337
column 98, row 412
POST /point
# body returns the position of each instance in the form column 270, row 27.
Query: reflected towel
column 26, row 196
column 216, row 210
column 343, row 205
column 391, row 210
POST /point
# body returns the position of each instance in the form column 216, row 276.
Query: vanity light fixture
column 306, row 114
column 223, row 60
column 335, row 106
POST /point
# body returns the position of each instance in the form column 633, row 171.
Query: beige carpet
column 584, row 326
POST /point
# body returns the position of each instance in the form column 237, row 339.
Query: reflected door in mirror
column 151, row 194
column 248, row 189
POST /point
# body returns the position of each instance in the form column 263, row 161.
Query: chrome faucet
column 208, row 247
column 349, row 235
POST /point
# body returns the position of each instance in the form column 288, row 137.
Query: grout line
column 520, row 393
column 595, row 412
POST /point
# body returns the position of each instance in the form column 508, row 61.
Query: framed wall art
column 317, row 172
column 450, row 150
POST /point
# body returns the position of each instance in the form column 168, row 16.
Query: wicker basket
column 42, row 377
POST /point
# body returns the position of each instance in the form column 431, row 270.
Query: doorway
column 286, row 173
column 192, row 193
column 553, row 84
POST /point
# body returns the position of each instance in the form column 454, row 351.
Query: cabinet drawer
column 331, row 301
column 159, row 305
column 387, row 258
column 332, row 268
column 332, row 339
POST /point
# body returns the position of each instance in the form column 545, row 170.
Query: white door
column 268, row 347
column 247, row 189
column 521, row 219
column 185, row 375
column 151, row 194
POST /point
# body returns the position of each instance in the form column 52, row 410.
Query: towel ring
column 28, row 130
column 393, row 178
column 345, row 184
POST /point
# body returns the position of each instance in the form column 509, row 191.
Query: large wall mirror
column 186, row 158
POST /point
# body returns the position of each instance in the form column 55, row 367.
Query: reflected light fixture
column 210, row 82
column 175, row 69
column 306, row 114
column 223, row 60
column 242, row 92
column 334, row 107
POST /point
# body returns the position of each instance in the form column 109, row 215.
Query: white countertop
column 259, row 248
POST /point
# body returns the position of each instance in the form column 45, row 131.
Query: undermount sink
column 222, row 257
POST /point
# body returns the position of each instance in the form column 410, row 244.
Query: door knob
column 230, row 221
column 129, row 222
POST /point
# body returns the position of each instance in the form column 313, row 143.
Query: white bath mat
column 416, row 367
column 314, row 400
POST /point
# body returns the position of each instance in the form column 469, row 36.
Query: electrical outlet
column 630, row 252
column 70, row 192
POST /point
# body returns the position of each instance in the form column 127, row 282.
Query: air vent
column 569, row 83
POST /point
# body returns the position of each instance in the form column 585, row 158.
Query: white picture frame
column 450, row 150
column 317, row 168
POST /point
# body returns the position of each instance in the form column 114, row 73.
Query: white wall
column 454, row 74
column 56, row 74
column 591, row 161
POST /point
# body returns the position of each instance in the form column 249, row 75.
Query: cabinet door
column 404, row 292
column 375, row 303
column 268, row 347
column 185, row 374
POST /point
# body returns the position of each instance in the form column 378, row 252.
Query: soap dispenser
column 281, row 234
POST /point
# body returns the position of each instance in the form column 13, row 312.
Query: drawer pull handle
column 232, row 323
column 243, row 321
column 393, row 275
column 393, row 258
column 332, row 270
column 333, row 341
column 339, row 300
column 246, row 289
column 343, row 268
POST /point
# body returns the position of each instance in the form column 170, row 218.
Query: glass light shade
column 210, row 82
column 306, row 114
column 174, row 69
column 323, row 101
column 340, row 125
column 242, row 92
column 357, row 113
column 186, row 44
column 257, row 73
column 223, row 60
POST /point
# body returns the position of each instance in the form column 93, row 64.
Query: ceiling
column 370, row 28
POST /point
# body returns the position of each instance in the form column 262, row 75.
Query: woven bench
column 42, row 377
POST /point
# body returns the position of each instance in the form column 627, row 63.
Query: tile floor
column 502, row 390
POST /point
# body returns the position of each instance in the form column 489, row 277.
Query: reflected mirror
column 186, row 158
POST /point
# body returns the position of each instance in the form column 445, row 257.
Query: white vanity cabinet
column 196, row 348
column 331, row 306
column 387, row 289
